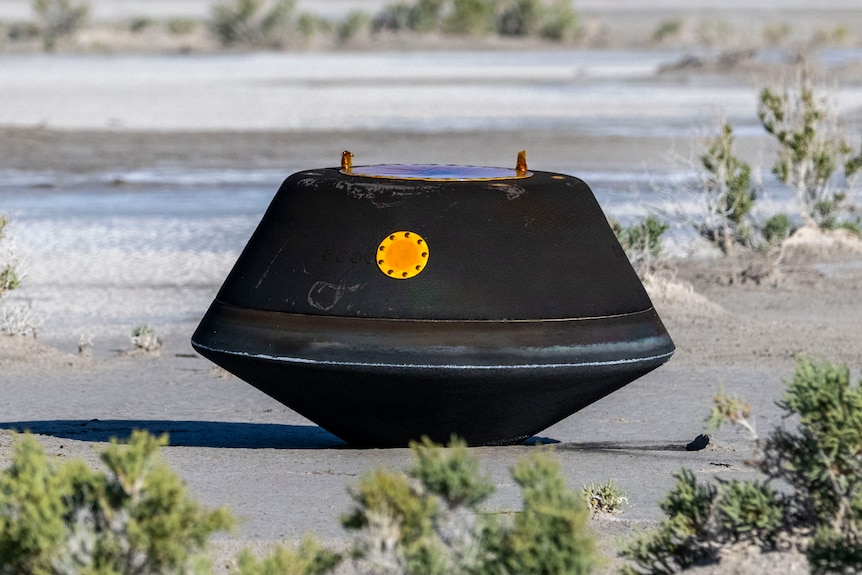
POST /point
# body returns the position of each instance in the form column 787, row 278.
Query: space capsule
column 390, row 302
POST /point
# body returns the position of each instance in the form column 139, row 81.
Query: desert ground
column 69, row 122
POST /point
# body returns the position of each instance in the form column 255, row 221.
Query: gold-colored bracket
column 346, row 161
column 435, row 172
column 521, row 164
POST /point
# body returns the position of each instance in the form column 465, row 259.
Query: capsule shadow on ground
column 632, row 447
column 237, row 435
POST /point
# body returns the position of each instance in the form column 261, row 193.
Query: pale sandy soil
column 283, row 475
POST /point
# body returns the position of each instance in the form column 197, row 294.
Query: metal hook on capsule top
column 521, row 164
column 346, row 161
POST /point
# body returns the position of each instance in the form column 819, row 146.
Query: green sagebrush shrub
column 137, row 518
column 822, row 461
column 420, row 16
column 818, row 463
column 254, row 23
column 16, row 320
column 9, row 279
column 812, row 151
column 66, row 518
column 59, row 18
column 354, row 24
column 642, row 242
column 310, row 558
column 430, row 521
column 553, row 20
column 607, row 498
column 730, row 194
column 777, row 228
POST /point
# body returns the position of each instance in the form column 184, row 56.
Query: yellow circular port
column 402, row 255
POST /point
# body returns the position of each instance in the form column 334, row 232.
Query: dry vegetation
column 720, row 41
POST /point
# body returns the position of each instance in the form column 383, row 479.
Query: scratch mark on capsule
column 272, row 261
column 325, row 295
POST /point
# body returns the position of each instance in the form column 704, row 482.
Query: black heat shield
column 521, row 310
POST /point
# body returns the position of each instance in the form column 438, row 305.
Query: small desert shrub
column 20, row 31
column 353, row 25
column 682, row 538
column 776, row 229
column 9, row 276
column 140, row 23
column 310, row 558
column 559, row 21
column 15, row 320
column 19, row 320
column 85, row 345
column 430, row 521
column 748, row 510
column 700, row 519
column 145, row 339
column 426, row 16
column 59, row 18
column 396, row 18
column 814, row 157
column 255, row 23
column 817, row 466
column 728, row 408
column 776, row 34
column 66, row 518
column 723, row 188
column 556, row 21
column 607, row 498
column 470, row 17
column 9, row 279
column 838, row 36
column 715, row 32
column 550, row 534
column 520, row 18
column 549, row 19
column 310, row 25
column 667, row 29
column 724, row 191
column 423, row 16
column 642, row 242
column 181, row 26
column 728, row 194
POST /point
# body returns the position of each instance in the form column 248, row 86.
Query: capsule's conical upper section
column 528, row 248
